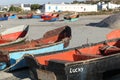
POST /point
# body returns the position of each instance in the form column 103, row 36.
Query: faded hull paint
column 31, row 44
column 89, row 49
column 17, row 55
column 81, row 63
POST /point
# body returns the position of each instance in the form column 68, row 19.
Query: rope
column 110, row 47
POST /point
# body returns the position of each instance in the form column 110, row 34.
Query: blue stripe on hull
column 17, row 55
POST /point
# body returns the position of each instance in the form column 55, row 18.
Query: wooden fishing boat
column 52, row 40
column 72, row 17
column 13, row 16
column 28, row 16
column 3, row 17
column 87, row 62
column 50, row 18
column 36, row 16
column 14, row 35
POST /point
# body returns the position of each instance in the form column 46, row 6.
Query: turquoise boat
column 14, row 56
column 14, row 16
column 72, row 20
column 72, row 17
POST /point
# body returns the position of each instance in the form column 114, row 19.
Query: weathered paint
column 76, row 63
column 17, row 55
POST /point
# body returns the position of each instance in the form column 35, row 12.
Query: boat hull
column 71, row 20
column 36, row 16
column 85, row 62
column 3, row 18
column 14, row 35
column 49, row 19
column 93, row 69
column 14, row 56
column 14, row 16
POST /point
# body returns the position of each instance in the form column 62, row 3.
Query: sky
column 9, row 2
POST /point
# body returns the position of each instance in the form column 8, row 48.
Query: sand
column 112, row 21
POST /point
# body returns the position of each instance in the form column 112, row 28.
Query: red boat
column 28, row 16
column 14, row 35
column 49, row 37
column 87, row 62
column 50, row 17
column 71, row 16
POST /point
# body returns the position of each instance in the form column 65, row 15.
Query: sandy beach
column 81, row 34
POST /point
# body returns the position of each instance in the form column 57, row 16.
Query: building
column 69, row 7
column 92, row 0
column 24, row 7
column 106, row 6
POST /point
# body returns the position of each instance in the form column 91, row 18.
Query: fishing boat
column 52, row 40
column 50, row 17
column 92, row 61
column 13, row 16
column 36, row 16
column 71, row 17
column 3, row 17
column 28, row 16
column 14, row 35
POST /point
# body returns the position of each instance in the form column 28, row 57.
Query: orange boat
column 50, row 17
column 72, row 17
column 87, row 62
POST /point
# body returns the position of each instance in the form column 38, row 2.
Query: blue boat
column 3, row 18
column 36, row 16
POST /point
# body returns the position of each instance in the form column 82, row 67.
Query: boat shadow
column 21, row 73
column 99, row 24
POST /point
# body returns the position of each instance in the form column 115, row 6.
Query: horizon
column 10, row 2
